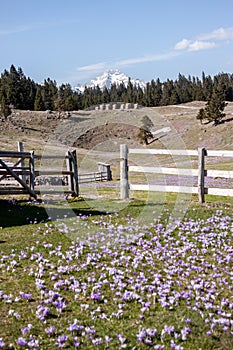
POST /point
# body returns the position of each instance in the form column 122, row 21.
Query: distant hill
column 105, row 130
column 108, row 78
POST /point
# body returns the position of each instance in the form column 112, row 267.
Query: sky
column 73, row 41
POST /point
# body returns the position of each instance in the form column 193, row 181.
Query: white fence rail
column 201, row 173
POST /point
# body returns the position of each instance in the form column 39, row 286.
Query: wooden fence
column 104, row 174
column 201, row 173
column 20, row 176
column 71, row 173
column 24, row 176
column 18, row 172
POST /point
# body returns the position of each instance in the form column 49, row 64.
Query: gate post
column 201, row 174
column 75, row 171
column 32, row 171
column 124, row 184
column 22, row 163
column 70, row 170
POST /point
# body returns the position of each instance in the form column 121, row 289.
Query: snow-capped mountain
column 108, row 78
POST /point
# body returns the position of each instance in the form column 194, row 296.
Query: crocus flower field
column 122, row 286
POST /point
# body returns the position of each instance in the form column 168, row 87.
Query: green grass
column 22, row 234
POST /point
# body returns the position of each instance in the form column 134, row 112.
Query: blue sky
column 73, row 41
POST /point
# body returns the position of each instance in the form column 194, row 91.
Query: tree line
column 21, row 92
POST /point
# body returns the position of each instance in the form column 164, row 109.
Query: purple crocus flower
column 26, row 296
column 33, row 343
column 76, row 342
column 22, row 342
column 121, row 338
column 61, row 341
column 42, row 312
column 2, row 344
column 26, row 329
column 97, row 341
column 95, row 296
column 50, row 330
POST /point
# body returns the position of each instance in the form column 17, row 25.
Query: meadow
column 148, row 273
column 101, row 279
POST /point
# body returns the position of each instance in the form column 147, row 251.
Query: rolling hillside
column 174, row 127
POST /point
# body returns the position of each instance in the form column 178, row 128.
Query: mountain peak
column 109, row 77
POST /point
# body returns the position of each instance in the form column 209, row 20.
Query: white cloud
column 93, row 67
column 85, row 71
column 148, row 58
column 205, row 41
column 201, row 45
column 196, row 45
column 183, row 44
column 9, row 31
column 218, row 34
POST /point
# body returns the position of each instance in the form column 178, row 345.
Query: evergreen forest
column 21, row 92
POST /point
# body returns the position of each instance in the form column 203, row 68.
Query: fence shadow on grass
column 22, row 212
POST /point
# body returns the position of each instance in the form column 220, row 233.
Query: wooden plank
column 159, row 188
column 9, row 154
column 52, row 172
column 223, row 153
column 17, row 178
column 88, row 180
column 219, row 173
column 163, row 151
column 52, row 156
column 18, row 172
column 161, row 170
column 228, row 192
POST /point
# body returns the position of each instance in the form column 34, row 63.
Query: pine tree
column 145, row 130
column 157, row 92
column 49, row 94
column 105, row 96
column 214, row 108
column 39, row 103
column 4, row 108
column 201, row 115
column 207, row 84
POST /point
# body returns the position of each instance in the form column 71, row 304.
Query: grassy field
column 95, row 272
column 99, row 278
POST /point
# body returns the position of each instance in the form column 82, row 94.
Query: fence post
column 201, row 174
column 32, row 171
column 70, row 169
column 22, row 163
column 75, row 171
column 105, row 170
column 124, row 184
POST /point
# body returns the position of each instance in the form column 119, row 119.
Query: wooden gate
column 22, row 174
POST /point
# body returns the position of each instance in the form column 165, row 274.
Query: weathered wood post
column 22, row 163
column 124, row 184
column 32, row 170
column 201, row 174
column 105, row 170
column 75, row 171
column 69, row 168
